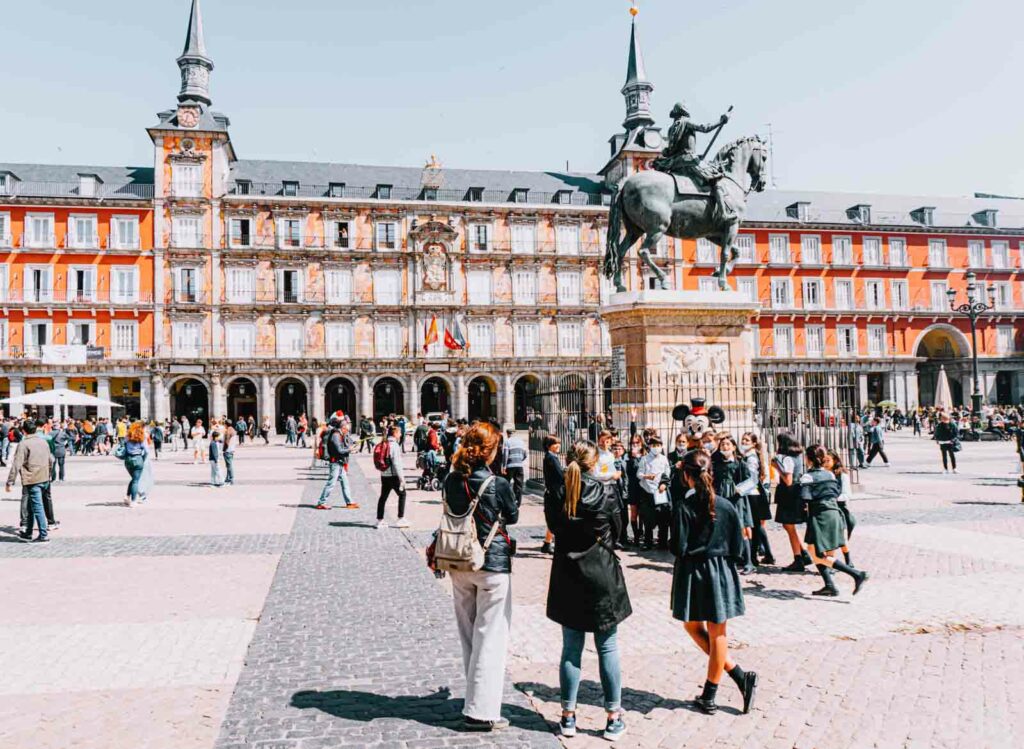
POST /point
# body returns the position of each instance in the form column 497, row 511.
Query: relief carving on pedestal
column 695, row 357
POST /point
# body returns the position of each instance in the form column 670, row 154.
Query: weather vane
column 633, row 9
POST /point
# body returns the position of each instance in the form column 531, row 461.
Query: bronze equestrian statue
column 685, row 197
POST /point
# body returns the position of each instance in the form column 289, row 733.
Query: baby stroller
column 431, row 463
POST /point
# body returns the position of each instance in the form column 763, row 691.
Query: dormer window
column 924, row 215
column 563, row 197
column 861, row 213
column 336, row 190
column 291, row 189
column 87, row 185
column 384, row 192
column 430, row 193
column 799, row 210
column 475, row 195
column 520, row 194
column 243, row 187
column 986, row 217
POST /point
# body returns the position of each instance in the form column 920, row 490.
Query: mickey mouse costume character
column 697, row 420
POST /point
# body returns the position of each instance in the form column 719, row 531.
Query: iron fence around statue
column 815, row 407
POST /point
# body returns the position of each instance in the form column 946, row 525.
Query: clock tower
column 634, row 149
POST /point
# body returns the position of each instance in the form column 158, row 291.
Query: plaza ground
column 241, row 617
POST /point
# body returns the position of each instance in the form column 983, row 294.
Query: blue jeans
column 608, row 664
column 229, row 465
column 35, row 510
column 336, row 474
column 134, row 465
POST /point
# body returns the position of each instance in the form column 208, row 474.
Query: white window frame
column 935, row 246
column 187, row 180
column 939, row 301
column 810, row 249
column 30, row 238
column 114, row 239
column 518, row 276
column 120, row 349
column 290, row 346
column 1000, row 254
column 481, row 339
column 231, row 343
column 871, row 284
column 179, row 284
column 75, row 294
column 387, row 340
column 232, row 293
column 526, row 345
column 116, row 294
column 782, row 341
column 901, row 299
column 565, row 244
column 787, row 285
column 34, row 350
column 480, row 287
column 570, row 338
column 747, row 246
column 879, row 260
column 706, row 251
column 231, row 231
column 46, row 288
column 4, row 282
column 181, row 347
column 186, row 238
column 384, row 296
column 384, row 244
column 819, row 334
column 1004, row 295
column 976, row 253
column 898, row 257
column 564, row 290
column 338, row 290
column 851, row 300
column 842, row 249
column 4, row 339
column 1006, row 340
column 846, row 341
column 476, row 231
column 285, row 240
column 523, row 245
column 5, row 229
column 300, row 286
column 779, row 252
column 339, row 338
column 707, row 284
column 332, row 235
column 880, row 334
column 747, row 285
column 91, row 240
column 819, row 293
column 75, row 322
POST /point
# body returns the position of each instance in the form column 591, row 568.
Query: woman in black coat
column 587, row 592
column 707, row 540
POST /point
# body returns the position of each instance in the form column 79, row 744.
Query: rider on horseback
column 680, row 154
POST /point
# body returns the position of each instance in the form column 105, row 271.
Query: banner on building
column 63, row 355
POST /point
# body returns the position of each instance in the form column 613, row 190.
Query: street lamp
column 974, row 309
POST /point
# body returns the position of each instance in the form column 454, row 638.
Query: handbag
column 120, row 451
column 956, row 445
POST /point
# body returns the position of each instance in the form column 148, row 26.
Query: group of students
column 709, row 502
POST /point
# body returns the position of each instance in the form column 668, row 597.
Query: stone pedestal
column 670, row 346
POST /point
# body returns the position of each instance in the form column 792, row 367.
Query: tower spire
column 194, row 63
column 637, row 89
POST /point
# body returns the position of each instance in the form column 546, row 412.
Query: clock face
column 188, row 116
column 652, row 139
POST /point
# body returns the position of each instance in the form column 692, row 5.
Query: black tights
column 948, row 450
column 387, row 483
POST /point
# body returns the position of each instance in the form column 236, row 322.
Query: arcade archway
column 340, row 395
column 524, row 403
column 291, row 400
column 940, row 346
column 388, row 397
column 483, row 401
column 242, row 401
column 190, row 398
column 435, row 396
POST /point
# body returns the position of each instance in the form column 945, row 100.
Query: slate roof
column 62, row 181
column 209, row 121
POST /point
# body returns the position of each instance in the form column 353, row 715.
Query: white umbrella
column 60, row 397
column 943, row 397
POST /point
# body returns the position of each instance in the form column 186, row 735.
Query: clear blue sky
column 911, row 96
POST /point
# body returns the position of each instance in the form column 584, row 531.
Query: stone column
column 413, row 401
column 862, row 387
column 145, row 399
column 219, row 407
column 158, row 286
column 17, row 388
column 318, row 405
column 103, row 391
column 60, row 382
column 508, row 400
column 266, row 401
column 460, row 401
column 599, row 394
column 216, row 328
column 365, row 396
column 161, row 399
column 913, row 395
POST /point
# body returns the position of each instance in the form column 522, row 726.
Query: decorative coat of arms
column 435, row 268
column 695, row 357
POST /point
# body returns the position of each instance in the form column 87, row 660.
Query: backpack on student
column 382, row 455
column 456, row 545
column 322, row 453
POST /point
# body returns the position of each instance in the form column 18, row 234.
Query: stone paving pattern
column 240, row 617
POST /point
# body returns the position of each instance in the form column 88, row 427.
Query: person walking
column 365, row 434
column 826, row 529
column 250, row 428
column 855, row 433
column 948, row 437
column 654, row 473
column 760, row 504
column 392, row 478
column 214, row 454
column 876, row 440
column 240, row 428
column 198, row 436
column 515, row 456
column 337, row 443
column 586, row 588
column 789, row 507
column 301, row 428
column 231, row 442
column 834, row 463
column 265, row 430
column 133, row 453
column 61, row 442
column 732, row 480
column 707, row 541
column 31, row 465
column 290, row 430
column 483, row 598
column 554, row 477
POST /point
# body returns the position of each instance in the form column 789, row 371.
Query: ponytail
column 697, row 467
column 573, row 482
column 705, row 489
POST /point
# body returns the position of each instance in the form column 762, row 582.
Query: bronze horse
column 648, row 204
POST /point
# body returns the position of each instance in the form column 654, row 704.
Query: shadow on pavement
column 437, row 709
column 349, row 524
column 633, row 700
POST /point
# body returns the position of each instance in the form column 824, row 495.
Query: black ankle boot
column 797, row 566
column 859, row 576
column 848, row 558
column 805, row 558
column 829, row 590
column 706, row 701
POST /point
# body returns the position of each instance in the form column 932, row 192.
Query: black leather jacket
column 498, row 500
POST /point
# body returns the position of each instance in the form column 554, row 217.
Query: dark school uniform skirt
column 851, row 521
column 742, row 505
column 789, row 507
column 760, row 505
column 826, row 529
column 706, row 590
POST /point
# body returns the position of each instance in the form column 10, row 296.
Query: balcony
column 185, row 296
column 189, row 241
column 185, row 190
column 429, row 195
column 93, row 353
column 323, row 351
column 87, row 242
column 83, row 298
column 132, row 191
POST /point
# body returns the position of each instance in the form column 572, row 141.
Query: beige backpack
column 457, row 547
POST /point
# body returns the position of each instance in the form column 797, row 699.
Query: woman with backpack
column 587, row 592
column 483, row 596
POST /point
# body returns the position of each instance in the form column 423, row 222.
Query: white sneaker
column 402, row 523
column 381, row 524
column 955, row 471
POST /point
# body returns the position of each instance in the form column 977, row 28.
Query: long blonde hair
column 582, row 457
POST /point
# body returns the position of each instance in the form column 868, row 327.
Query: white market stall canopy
column 60, row 397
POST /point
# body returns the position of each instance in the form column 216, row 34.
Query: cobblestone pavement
column 240, row 617
column 929, row 655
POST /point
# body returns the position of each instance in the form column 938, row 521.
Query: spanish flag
column 453, row 337
column 430, row 336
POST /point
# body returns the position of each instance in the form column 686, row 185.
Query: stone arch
column 190, row 396
column 442, row 400
column 340, row 393
column 242, row 398
column 387, row 401
column 933, row 340
column 525, row 389
column 290, row 401
column 275, row 381
column 482, row 397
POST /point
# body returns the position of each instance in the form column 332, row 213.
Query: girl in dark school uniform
column 835, row 464
column 732, row 480
column 789, row 507
column 760, row 504
column 707, row 540
column 826, row 530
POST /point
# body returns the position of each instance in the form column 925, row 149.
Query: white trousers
column 483, row 612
